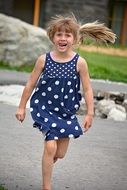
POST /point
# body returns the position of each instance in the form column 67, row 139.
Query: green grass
column 22, row 68
column 2, row 188
column 103, row 66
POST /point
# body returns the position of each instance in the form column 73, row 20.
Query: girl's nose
column 63, row 37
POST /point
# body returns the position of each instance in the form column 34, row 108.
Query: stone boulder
column 104, row 106
column 117, row 114
column 21, row 43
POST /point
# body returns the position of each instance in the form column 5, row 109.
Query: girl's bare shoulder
column 81, row 64
column 41, row 61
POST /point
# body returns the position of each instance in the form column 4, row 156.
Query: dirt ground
column 106, row 50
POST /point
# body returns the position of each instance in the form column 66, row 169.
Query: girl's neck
column 62, row 56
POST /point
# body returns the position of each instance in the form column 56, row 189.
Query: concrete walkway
column 96, row 161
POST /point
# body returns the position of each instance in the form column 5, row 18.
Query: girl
column 56, row 98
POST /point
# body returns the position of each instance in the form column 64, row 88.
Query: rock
column 117, row 97
column 21, row 43
column 121, row 108
column 117, row 115
column 11, row 94
column 104, row 106
column 125, row 104
column 100, row 95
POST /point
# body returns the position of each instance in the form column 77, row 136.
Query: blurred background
column 39, row 12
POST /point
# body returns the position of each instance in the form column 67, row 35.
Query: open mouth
column 62, row 45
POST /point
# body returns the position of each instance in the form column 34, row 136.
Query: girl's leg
column 62, row 146
column 50, row 148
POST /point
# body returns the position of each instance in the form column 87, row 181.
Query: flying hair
column 96, row 31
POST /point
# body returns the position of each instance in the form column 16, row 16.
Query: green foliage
column 2, row 188
column 25, row 68
column 102, row 66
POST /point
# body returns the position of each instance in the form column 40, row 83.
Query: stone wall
column 107, row 105
column 86, row 10
column 6, row 7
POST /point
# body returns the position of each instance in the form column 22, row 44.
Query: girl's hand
column 87, row 122
column 20, row 114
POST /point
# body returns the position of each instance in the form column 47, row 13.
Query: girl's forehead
column 64, row 28
column 63, row 31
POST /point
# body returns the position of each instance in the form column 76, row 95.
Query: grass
column 108, row 67
column 101, row 66
column 22, row 68
column 2, row 188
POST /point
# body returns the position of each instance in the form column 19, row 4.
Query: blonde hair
column 95, row 30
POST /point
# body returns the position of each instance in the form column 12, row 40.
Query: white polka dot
column 50, row 113
column 31, row 109
column 53, row 124
column 62, row 104
column 55, row 138
column 59, row 118
column 56, row 109
column 43, row 82
column 71, row 135
column 71, row 90
column 43, row 107
column 49, row 102
column 73, row 98
column 46, row 120
column 68, row 122
column 49, row 88
column 64, row 115
column 62, row 130
column 66, row 97
column 43, row 94
column 38, row 114
column 76, row 127
column 69, row 83
column 37, row 89
column 36, row 101
column 57, row 82
column 73, row 116
column 76, row 106
column 56, row 96
column 62, row 89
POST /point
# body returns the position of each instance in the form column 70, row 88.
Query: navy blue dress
column 55, row 100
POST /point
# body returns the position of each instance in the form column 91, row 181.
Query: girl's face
column 63, row 41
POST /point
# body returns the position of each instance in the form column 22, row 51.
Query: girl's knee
column 59, row 156
column 50, row 147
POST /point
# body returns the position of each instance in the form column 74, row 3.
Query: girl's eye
column 58, row 34
column 68, row 35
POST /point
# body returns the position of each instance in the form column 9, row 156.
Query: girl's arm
column 30, row 85
column 87, row 91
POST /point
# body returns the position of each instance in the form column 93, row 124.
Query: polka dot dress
column 55, row 100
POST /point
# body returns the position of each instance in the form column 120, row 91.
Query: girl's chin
column 62, row 49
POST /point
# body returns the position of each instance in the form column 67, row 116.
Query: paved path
column 96, row 161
